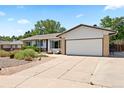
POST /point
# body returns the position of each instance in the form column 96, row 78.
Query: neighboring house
column 47, row 42
column 11, row 45
column 80, row 40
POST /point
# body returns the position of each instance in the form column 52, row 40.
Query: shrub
column 27, row 53
column 19, row 55
column 4, row 53
column 12, row 53
column 31, row 47
column 11, row 56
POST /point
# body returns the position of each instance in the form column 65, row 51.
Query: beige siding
column 84, row 32
column 106, row 45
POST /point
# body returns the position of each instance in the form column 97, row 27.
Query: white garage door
column 84, row 47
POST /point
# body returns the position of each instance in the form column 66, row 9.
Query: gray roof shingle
column 46, row 36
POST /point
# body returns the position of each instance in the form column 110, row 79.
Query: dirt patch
column 11, row 66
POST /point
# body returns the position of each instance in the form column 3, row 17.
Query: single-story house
column 11, row 45
column 79, row 40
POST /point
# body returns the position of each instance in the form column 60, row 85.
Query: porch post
column 38, row 45
column 49, row 50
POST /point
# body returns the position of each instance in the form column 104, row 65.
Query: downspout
column 114, row 34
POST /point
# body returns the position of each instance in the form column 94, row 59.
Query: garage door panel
column 84, row 47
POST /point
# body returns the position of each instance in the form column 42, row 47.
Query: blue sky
column 15, row 20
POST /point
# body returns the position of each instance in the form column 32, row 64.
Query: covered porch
column 45, row 45
column 49, row 43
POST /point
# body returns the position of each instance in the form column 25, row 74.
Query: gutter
column 114, row 34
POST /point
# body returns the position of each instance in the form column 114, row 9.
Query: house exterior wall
column 106, row 45
column 63, row 46
column 84, row 32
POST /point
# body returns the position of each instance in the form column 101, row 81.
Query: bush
column 11, row 56
column 31, row 47
column 27, row 53
column 19, row 55
column 12, row 53
column 4, row 53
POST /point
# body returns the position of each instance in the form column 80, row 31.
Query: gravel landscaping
column 11, row 66
column 7, row 62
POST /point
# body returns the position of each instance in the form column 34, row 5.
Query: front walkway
column 70, row 71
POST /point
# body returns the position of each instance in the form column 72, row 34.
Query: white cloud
column 10, row 19
column 113, row 7
column 2, row 13
column 79, row 15
column 23, row 21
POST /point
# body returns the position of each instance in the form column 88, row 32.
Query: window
column 16, row 46
column 55, row 44
column 36, row 43
column 28, row 43
column 41, row 43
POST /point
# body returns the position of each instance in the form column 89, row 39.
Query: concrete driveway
column 70, row 71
